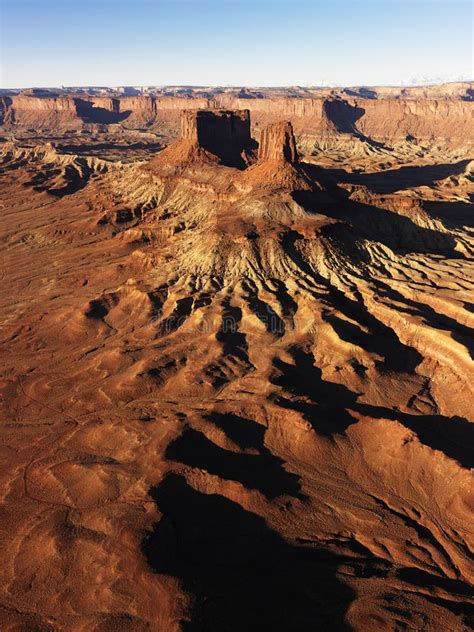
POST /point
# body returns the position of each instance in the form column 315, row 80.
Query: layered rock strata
column 224, row 133
column 277, row 142
column 381, row 115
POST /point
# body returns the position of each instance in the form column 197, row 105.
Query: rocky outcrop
column 224, row 133
column 221, row 136
column 212, row 137
column 277, row 142
column 277, row 168
column 5, row 109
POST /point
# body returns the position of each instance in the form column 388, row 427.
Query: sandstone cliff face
column 383, row 120
column 42, row 112
column 140, row 111
column 106, row 103
column 425, row 119
column 5, row 109
column 55, row 104
column 388, row 117
column 182, row 103
column 135, row 104
column 189, row 125
column 224, row 133
column 208, row 136
column 292, row 107
column 277, row 142
column 277, row 168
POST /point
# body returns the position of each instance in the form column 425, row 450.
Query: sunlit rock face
column 277, row 142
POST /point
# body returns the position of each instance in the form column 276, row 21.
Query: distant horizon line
column 240, row 86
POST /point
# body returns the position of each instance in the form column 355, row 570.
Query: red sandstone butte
column 277, row 142
column 224, row 133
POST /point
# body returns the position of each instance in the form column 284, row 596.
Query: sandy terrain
column 238, row 396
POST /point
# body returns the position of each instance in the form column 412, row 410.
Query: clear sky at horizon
column 234, row 42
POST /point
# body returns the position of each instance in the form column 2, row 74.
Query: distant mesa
column 326, row 116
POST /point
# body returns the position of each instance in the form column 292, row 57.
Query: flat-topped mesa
column 207, row 137
column 224, row 133
column 277, row 142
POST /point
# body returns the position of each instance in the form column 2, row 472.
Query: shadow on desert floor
column 210, row 543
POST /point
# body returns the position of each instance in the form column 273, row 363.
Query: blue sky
column 234, row 42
